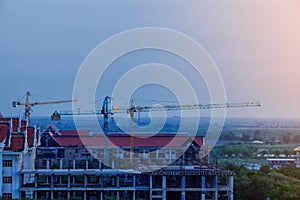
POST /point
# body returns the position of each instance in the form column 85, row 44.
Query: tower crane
column 28, row 105
column 108, row 110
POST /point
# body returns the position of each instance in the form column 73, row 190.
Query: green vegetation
column 281, row 184
column 243, row 154
column 268, row 136
column 239, row 150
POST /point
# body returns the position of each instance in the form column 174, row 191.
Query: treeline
column 280, row 184
column 290, row 138
column 244, row 137
column 240, row 150
column 284, row 138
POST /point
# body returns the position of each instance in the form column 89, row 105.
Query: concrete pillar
column 150, row 187
column 52, row 180
column 100, row 181
column 47, row 164
column 203, row 187
column 60, row 163
column 164, row 187
column 101, row 195
column 231, row 187
column 113, row 181
column 84, row 195
column 51, row 183
column 29, row 194
column 118, row 180
column 133, row 195
column 134, row 184
column 134, row 180
column 216, row 186
column 86, row 164
column 183, row 187
column 74, row 163
column 84, row 180
column 69, row 194
column 69, row 180
column 36, row 180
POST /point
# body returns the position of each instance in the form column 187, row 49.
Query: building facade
column 98, row 184
column 17, row 152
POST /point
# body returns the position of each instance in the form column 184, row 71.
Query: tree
column 287, row 138
column 290, row 171
column 265, row 169
column 246, row 137
column 276, row 152
column 228, row 136
column 283, row 184
column 296, row 139
column 257, row 136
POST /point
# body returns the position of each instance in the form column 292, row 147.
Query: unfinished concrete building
column 68, row 165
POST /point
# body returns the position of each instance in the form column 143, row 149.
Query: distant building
column 17, row 152
column 279, row 162
column 257, row 142
column 297, row 149
column 254, row 166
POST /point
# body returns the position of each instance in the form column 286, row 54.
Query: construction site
column 65, row 168
column 78, row 164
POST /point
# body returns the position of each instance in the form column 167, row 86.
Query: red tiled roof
column 4, row 130
column 74, row 132
column 17, row 138
column 155, row 141
column 30, row 136
column 17, row 143
column 78, row 141
column 198, row 141
column 15, row 123
column 123, row 140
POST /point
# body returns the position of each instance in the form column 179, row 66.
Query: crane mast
column 106, row 112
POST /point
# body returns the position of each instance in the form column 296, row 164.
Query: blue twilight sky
column 255, row 44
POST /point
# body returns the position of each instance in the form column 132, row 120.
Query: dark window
column 7, row 163
column 7, row 179
column 7, row 195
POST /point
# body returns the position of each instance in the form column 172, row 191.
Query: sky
column 255, row 44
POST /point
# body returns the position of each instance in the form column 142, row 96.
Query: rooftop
column 13, row 132
column 82, row 138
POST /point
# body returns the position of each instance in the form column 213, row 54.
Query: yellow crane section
column 28, row 105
